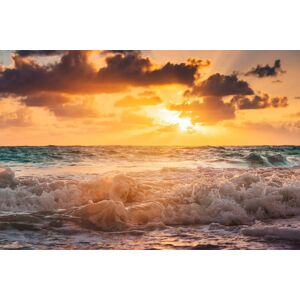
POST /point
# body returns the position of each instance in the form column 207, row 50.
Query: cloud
column 220, row 85
column 211, row 111
column 75, row 73
column 134, row 69
column 64, row 106
column 131, row 101
column 21, row 117
column 266, row 71
column 83, row 109
column 292, row 126
column 258, row 102
column 214, row 109
column 45, row 100
column 295, row 115
column 26, row 53
column 277, row 102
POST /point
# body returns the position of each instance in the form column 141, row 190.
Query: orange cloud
column 64, row 105
column 22, row 117
column 210, row 111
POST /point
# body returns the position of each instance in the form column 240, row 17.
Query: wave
column 267, row 160
column 134, row 156
column 150, row 198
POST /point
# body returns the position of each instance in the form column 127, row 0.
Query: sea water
column 128, row 197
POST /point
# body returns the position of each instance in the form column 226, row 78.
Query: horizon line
column 135, row 145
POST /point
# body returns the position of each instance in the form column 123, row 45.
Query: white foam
column 192, row 196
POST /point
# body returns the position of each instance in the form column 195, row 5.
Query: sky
column 131, row 97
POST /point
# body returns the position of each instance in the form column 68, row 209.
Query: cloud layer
column 66, row 86
column 75, row 73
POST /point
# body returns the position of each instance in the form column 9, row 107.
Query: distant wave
column 114, row 157
column 267, row 160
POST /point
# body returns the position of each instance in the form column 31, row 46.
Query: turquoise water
column 110, row 158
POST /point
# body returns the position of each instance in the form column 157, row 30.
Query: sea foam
column 183, row 197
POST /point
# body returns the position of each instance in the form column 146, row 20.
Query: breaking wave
column 158, row 198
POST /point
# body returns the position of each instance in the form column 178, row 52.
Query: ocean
column 134, row 197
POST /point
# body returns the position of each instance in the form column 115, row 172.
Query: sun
column 164, row 116
column 184, row 124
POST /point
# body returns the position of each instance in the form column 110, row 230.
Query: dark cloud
column 131, row 101
column 257, row 102
column 132, row 68
column 211, row 111
column 27, row 53
column 266, row 71
column 220, row 85
column 277, row 102
column 76, row 74
column 45, row 100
